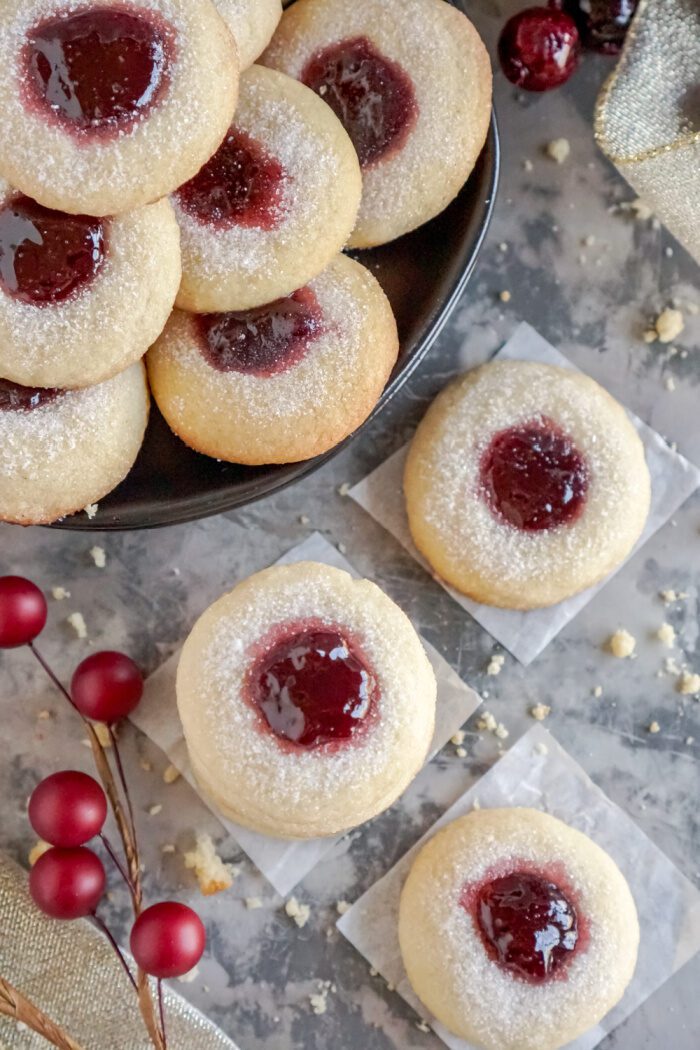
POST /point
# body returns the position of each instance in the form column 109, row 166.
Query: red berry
column 539, row 48
column 67, row 883
column 22, row 611
column 68, row 808
column 106, row 686
column 167, row 940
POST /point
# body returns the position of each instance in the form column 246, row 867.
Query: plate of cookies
column 225, row 241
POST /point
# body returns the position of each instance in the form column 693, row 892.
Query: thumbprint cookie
column 525, row 484
column 411, row 82
column 81, row 297
column 252, row 23
column 61, row 450
column 283, row 382
column 307, row 701
column 108, row 104
column 273, row 206
column 517, row 932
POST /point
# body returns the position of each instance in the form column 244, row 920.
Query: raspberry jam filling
column 313, row 686
column 16, row 398
column 533, row 477
column 265, row 341
column 372, row 96
column 242, row 185
column 99, row 69
column 47, row 256
column 528, row 925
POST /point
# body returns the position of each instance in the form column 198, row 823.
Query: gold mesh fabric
column 68, row 969
column 648, row 114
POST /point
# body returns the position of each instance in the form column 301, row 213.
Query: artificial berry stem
column 15, row 1006
column 110, row 937
column 161, row 1011
column 122, row 777
column 56, row 681
column 117, row 863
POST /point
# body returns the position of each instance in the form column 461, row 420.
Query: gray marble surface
column 592, row 302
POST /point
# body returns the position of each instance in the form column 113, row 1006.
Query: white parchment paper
column 538, row 773
column 525, row 634
column 286, row 863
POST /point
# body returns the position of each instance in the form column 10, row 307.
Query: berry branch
column 69, row 808
column 14, row 1005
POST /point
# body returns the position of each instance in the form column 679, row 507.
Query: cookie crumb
column 670, row 384
column 504, row 296
column 654, row 727
column 597, row 691
column 461, row 752
column 91, row 510
column 671, row 666
column 689, row 683
column 422, row 1026
column 213, row 876
column 299, row 912
column 527, row 164
column 304, row 519
column 558, row 150
column 541, row 748
column 190, row 976
column 690, row 740
column 77, row 622
column 146, row 766
column 44, row 715
column 458, row 738
column 666, row 635
column 319, row 1000
column 60, row 593
column 342, row 907
column 155, row 809
column 495, row 665
column 170, row 774
column 487, row 722
column 99, row 556
column 669, row 596
column 168, row 847
column 668, row 325
column 344, row 489
column 253, row 903
column 38, row 850
column 540, row 711
column 622, row 644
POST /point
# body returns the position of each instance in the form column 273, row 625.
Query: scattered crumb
column 476, row 804
column 210, row 871
column 504, row 296
column 99, row 556
column 501, row 732
column 654, row 727
column 689, row 683
column 344, row 489
column 167, row 848
column 146, row 766
column 44, row 715
column 558, row 150
column 638, row 208
column 342, row 907
column 622, row 644
column 668, row 325
column 170, row 774
column 668, row 597
column 588, row 241
column 60, row 593
column 496, row 663
column 304, row 519
column 319, row 1001
column 373, row 972
column 458, row 738
column 190, row 976
column 461, row 752
column 299, row 912
column 540, row 711
column 666, row 635
column 487, row 722
column 541, row 748
column 155, row 809
column 690, row 740
column 670, row 384
column 422, row 1026
column 253, row 903
column 342, row 549
column 76, row 621
column 597, row 691
column 91, row 510
column 38, row 850
column 671, row 666
column 503, row 247
column 527, row 164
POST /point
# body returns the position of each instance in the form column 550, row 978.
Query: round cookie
column 411, row 81
column 307, row 701
column 525, row 484
column 81, row 298
column 281, row 383
column 517, row 932
column 273, row 206
column 109, row 106
column 252, row 23
column 61, row 450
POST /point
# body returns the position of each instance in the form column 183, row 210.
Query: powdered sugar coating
column 297, row 413
column 148, row 159
column 110, row 323
column 448, row 965
column 60, row 457
column 293, row 793
column 444, row 57
column 252, row 23
column 240, row 267
column 451, row 521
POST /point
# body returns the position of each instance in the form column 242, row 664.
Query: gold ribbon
column 648, row 114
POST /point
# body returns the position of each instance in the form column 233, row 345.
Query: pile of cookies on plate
column 178, row 180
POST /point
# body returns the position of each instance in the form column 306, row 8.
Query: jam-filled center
column 533, row 476
column 313, row 687
column 47, row 256
column 265, row 341
column 372, row 96
column 16, row 398
column 100, row 68
column 242, row 185
column 527, row 924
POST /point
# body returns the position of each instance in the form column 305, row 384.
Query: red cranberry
column 67, row 883
column 539, row 48
column 372, row 96
column 265, row 341
column 603, row 24
column 22, row 611
column 312, row 687
column 106, row 686
column 16, row 398
column 68, row 808
column 527, row 924
column 533, row 477
column 168, row 939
